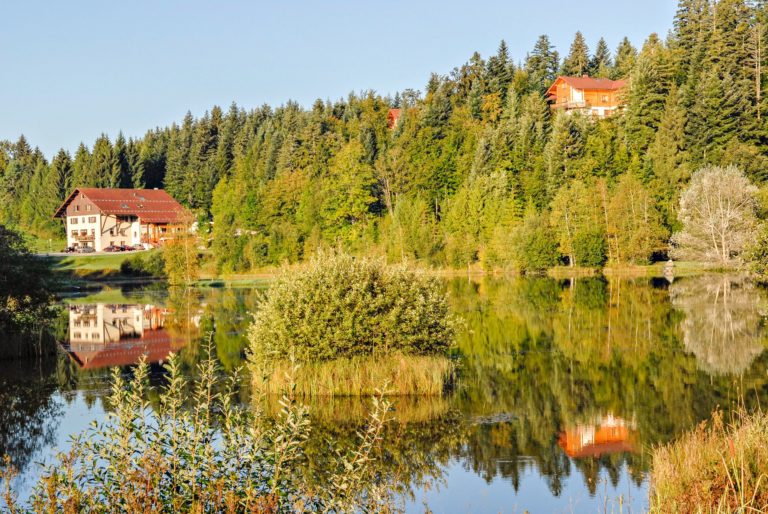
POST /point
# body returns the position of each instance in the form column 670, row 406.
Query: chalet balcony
column 571, row 105
column 85, row 238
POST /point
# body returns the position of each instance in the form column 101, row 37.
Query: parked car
column 86, row 249
column 136, row 247
column 122, row 248
column 111, row 248
column 69, row 249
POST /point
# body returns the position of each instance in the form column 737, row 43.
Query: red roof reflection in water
column 605, row 435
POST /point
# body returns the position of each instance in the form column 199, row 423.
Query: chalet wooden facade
column 595, row 97
column 100, row 218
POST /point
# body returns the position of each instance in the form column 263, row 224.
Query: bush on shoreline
column 342, row 307
column 213, row 456
column 718, row 467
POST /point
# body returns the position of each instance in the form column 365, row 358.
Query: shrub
column 147, row 264
column 589, row 248
column 341, row 306
column 718, row 467
column 535, row 245
column 213, row 456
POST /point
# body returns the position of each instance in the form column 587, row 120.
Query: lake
column 564, row 384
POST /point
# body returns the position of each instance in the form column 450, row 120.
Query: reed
column 721, row 466
column 425, row 375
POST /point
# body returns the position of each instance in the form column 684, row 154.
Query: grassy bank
column 721, row 466
column 360, row 376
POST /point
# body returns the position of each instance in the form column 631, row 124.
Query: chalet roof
column 150, row 205
column 589, row 83
column 392, row 116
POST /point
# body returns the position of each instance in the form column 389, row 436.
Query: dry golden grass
column 719, row 467
column 355, row 376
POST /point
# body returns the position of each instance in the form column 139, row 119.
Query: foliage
column 718, row 213
column 25, row 283
column 215, row 456
column 589, row 247
column 341, row 306
column 181, row 259
column 534, row 244
column 145, row 264
column 721, row 466
column 281, row 182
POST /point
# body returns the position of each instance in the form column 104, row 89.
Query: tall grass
column 200, row 451
column 720, row 467
column 359, row 376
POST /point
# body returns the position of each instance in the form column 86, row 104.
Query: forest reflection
column 559, row 378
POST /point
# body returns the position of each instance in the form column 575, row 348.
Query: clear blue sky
column 70, row 70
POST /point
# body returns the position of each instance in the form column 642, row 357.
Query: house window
column 111, row 232
column 73, row 221
column 76, row 335
column 74, row 233
column 605, row 98
column 92, row 219
column 95, row 335
column 88, row 207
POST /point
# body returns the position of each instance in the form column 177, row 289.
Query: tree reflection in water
column 724, row 325
column 559, row 379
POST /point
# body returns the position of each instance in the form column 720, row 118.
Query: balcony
column 85, row 237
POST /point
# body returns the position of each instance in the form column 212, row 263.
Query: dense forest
column 478, row 168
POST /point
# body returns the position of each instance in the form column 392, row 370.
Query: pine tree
column 102, row 165
column 121, row 175
column 500, row 71
column 626, row 55
column 577, row 62
column 600, row 63
column 542, row 64
column 648, row 89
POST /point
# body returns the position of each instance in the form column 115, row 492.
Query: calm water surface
column 564, row 386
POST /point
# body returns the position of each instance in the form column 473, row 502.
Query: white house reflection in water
column 105, row 335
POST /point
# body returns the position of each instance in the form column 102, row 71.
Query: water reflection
column 601, row 436
column 108, row 335
column 564, row 383
column 724, row 325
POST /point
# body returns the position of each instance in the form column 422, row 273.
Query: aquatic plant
column 342, row 307
column 214, row 455
column 718, row 467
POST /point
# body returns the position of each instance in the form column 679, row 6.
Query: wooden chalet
column 596, row 97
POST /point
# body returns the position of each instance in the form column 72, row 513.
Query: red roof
column 155, row 346
column 590, row 84
column 150, row 205
column 392, row 116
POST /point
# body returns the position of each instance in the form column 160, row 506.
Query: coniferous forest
column 478, row 169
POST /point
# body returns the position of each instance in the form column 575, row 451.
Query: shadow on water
column 565, row 381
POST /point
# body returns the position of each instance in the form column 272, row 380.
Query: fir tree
column 542, row 64
column 577, row 62
column 626, row 54
column 600, row 63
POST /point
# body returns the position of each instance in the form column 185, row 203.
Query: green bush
column 146, row 264
column 534, row 245
column 215, row 455
column 589, row 248
column 342, row 306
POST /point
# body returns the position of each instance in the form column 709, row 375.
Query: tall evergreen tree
column 600, row 64
column 577, row 62
column 542, row 64
column 626, row 54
